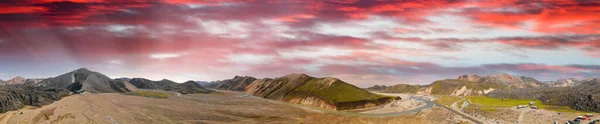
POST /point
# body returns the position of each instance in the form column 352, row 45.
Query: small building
column 534, row 107
column 531, row 103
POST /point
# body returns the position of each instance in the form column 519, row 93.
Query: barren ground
column 230, row 107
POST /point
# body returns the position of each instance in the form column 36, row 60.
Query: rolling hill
column 184, row 88
column 329, row 93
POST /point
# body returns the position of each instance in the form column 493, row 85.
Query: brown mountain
column 329, row 93
column 504, row 79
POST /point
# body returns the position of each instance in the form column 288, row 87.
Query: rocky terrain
column 83, row 80
column 184, row 88
column 2, row 82
column 583, row 97
column 329, row 93
column 464, row 85
column 13, row 97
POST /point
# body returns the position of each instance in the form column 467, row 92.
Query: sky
column 363, row 42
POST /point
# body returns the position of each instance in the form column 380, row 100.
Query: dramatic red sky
column 362, row 42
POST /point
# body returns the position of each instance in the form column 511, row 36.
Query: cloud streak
column 364, row 42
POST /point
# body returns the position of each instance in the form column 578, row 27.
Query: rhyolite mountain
column 21, row 80
column 189, row 87
column 328, row 93
column 16, row 80
column 563, row 82
column 14, row 97
column 84, row 80
column 464, row 85
column 584, row 97
column 504, row 79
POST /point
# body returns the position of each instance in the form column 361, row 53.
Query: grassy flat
column 447, row 100
column 491, row 104
column 152, row 94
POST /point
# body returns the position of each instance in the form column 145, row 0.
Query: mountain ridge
column 84, row 80
column 327, row 92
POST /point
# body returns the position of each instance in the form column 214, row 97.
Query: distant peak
column 18, row 77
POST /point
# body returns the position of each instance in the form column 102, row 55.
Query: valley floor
column 229, row 107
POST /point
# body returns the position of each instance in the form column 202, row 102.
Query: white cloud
column 230, row 29
column 116, row 62
column 312, row 52
column 361, row 29
column 163, row 56
column 250, row 59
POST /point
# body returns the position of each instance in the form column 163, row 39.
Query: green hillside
column 336, row 93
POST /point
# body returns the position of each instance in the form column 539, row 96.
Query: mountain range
column 329, row 93
column 464, row 85
column 165, row 84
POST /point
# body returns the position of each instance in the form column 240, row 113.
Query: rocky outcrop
column 313, row 101
column 328, row 93
column 83, row 80
column 473, row 78
column 14, row 97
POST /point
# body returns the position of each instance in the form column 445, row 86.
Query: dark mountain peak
column 238, row 77
column 82, row 70
column 190, row 82
column 166, row 80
